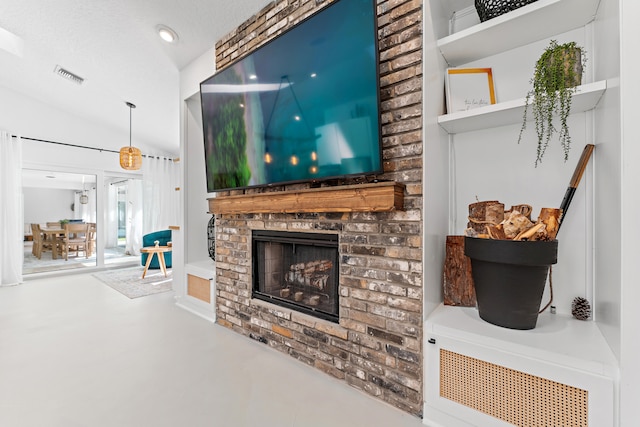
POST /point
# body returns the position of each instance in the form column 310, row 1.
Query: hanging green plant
column 557, row 74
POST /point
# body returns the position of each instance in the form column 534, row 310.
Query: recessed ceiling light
column 167, row 34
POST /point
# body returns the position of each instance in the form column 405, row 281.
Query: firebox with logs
column 297, row 270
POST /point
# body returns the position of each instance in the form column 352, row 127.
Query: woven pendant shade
column 130, row 157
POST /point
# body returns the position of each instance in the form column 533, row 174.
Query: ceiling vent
column 68, row 75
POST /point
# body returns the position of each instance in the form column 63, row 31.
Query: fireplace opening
column 297, row 271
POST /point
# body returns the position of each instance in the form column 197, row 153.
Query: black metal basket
column 488, row 9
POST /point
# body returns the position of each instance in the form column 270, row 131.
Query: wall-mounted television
column 303, row 107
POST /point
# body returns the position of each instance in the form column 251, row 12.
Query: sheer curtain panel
column 11, row 216
column 161, row 200
column 134, row 217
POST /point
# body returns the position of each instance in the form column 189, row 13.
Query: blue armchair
column 162, row 237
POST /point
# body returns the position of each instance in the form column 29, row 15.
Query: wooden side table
column 155, row 250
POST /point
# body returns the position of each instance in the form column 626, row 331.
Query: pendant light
column 130, row 157
column 84, row 199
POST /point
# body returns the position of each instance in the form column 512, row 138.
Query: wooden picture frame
column 469, row 88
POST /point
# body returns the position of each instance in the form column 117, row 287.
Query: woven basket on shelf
column 488, row 9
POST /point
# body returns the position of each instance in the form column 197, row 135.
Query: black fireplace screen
column 297, row 270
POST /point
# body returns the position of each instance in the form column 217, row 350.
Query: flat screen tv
column 303, row 107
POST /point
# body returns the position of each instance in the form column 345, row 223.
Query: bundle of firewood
column 490, row 220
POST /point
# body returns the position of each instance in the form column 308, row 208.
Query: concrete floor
column 74, row 352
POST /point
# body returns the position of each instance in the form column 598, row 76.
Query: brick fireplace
column 375, row 342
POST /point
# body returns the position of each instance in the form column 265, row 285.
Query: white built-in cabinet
column 561, row 354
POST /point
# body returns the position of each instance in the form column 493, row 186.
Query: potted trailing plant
column 557, row 73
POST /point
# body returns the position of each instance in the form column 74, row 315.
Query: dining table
column 52, row 234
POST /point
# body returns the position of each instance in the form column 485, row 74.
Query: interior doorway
column 50, row 199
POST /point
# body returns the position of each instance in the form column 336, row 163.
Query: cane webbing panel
column 199, row 288
column 512, row 396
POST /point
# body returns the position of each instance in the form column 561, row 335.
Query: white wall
column 630, row 177
column 608, row 190
column 28, row 117
column 197, row 71
column 191, row 239
column 435, row 185
column 197, row 207
column 47, row 205
column 31, row 118
column 196, row 217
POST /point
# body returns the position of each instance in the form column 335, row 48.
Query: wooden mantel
column 372, row 197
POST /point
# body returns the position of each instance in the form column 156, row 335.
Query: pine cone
column 580, row 308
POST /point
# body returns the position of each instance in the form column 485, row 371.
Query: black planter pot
column 509, row 278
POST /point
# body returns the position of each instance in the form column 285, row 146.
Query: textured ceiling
column 113, row 44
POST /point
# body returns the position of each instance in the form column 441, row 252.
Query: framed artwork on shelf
column 468, row 88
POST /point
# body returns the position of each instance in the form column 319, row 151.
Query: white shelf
column 510, row 112
column 536, row 21
column 556, row 339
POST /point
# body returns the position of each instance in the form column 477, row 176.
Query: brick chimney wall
column 377, row 345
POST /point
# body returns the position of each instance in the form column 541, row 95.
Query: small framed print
column 469, row 88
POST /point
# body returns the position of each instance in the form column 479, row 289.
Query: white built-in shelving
column 509, row 31
column 585, row 98
column 560, row 348
column 536, row 21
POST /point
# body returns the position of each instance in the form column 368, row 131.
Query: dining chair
column 36, row 249
column 40, row 244
column 76, row 239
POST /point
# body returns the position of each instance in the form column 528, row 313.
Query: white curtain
column 11, row 215
column 134, row 217
column 161, row 200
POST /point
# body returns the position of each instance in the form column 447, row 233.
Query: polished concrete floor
column 74, row 352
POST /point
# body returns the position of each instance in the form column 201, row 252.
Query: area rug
column 129, row 281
